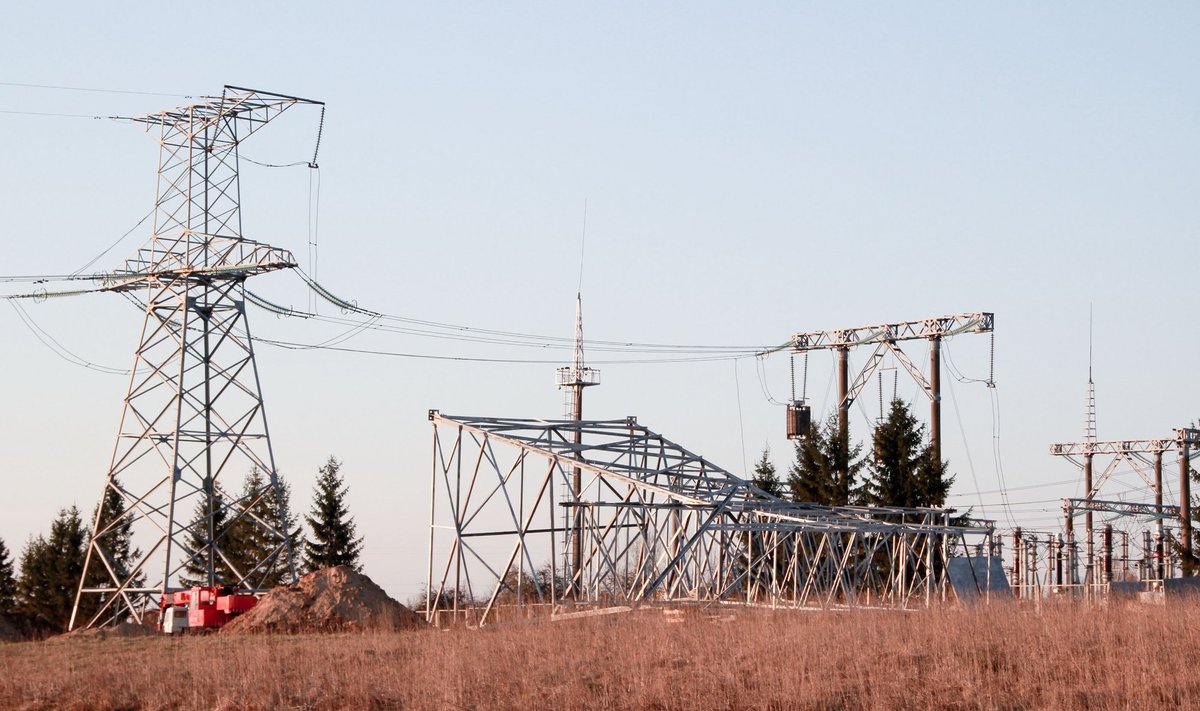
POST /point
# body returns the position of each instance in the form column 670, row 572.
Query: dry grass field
column 1002, row 657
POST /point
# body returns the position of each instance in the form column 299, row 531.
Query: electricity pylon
column 193, row 418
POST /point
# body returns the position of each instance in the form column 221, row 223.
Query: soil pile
column 330, row 600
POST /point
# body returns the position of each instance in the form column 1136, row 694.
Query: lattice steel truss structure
column 658, row 523
column 1145, row 457
column 193, row 416
column 886, row 337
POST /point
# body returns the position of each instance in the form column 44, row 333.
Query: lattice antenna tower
column 574, row 378
column 193, row 422
column 1089, row 422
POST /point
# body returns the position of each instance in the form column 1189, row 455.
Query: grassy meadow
column 1005, row 656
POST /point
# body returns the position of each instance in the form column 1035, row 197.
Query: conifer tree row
column 900, row 470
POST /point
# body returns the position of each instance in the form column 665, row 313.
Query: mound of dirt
column 330, row 600
column 124, row 630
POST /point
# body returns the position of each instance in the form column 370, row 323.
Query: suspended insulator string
column 320, row 130
column 792, row 365
column 991, row 381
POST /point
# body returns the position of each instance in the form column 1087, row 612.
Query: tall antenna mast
column 572, row 380
column 1089, row 423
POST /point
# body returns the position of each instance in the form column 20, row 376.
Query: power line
column 57, row 348
column 291, row 345
column 94, row 90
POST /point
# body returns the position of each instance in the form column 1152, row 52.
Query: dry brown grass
column 1002, row 657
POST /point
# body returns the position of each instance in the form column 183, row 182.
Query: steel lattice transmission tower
column 193, row 419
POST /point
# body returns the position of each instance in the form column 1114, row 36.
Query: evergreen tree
column 826, row 468
column 8, row 582
column 257, row 537
column 51, row 569
column 333, row 539
column 114, row 535
column 765, row 477
column 903, row 470
column 195, row 570
column 246, row 535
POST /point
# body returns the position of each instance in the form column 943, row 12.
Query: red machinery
column 203, row 607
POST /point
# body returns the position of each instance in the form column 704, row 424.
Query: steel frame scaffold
column 658, row 523
column 193, row 417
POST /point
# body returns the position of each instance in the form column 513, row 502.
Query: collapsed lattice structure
column 658, row 523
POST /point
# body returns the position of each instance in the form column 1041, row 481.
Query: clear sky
column 750, row 170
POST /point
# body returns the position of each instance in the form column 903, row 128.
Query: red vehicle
column 203, row 607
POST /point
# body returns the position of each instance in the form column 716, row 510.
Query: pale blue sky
column 750, row 171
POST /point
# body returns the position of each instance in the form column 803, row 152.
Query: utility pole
column 573, row 379
column 935, row 397
column 843, row 378
column 1186, row 438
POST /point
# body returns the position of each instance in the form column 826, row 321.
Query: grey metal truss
column 924, row 329
column 657, row 523
column 1121, row 508
column 193, row 421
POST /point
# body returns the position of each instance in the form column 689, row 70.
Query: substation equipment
column 886, row 339
column 194, row 416
column 1095, row 561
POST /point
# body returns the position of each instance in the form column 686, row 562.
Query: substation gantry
column 1145, row 457
column 886, row 338
column 654, row 522
column 193, row 417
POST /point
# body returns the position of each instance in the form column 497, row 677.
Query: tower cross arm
column 938, row 327
column 208, row 256
column 1119, row 446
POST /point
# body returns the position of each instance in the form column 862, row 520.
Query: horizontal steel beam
column 940, row 327
column 1124, row 508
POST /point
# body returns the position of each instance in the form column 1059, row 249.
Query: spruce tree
column 903, row 470
column 333, row 539
column 257, row 537
column 8, row 582
column 51, row 569
column 195, row 570
column 826, row 468
column 765, row 477
column 114, row 535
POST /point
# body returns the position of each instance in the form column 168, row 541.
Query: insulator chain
column 991, row 381
column 317, row 148
column 793, row 367
column 881, row 396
